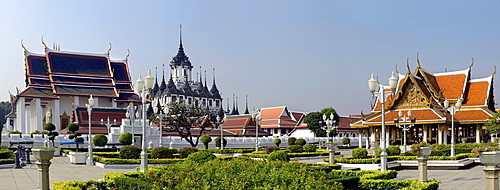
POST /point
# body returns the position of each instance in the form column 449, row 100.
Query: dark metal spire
column 236, row 110
column 155, row 87
column 246, row 105
column 163, row 85
column 214, row 91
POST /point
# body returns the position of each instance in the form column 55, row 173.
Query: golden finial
column 418, row 61
column 408, row 65
column 44, row 45
column 128, row 54
column 397, row 69
column 472, row 64
column 494, row 71
column 22, row 45
column 110, row 47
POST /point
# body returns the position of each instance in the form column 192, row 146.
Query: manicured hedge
column 136, row 161
column 375, row 184
column 7, row 161
column 6, row 154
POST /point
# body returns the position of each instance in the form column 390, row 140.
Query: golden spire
column 44, row 45
column 22, row 45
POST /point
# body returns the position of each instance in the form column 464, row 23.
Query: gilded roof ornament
column 44, row 45
column 408, row 65
column 22, row 45
column 128, row 54
column 110, row 47
column 494, row 71
column 397, row 69
column 418, row 61
column 472, row 64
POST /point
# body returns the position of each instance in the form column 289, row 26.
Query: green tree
column 493, row 124
column 313, row 120
column 205, row 139
column 125, row 138
column 52, row 133
column 184, row 118
column 73, row 127
column 4, row 110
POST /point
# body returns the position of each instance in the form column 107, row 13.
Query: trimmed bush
column 277, row 142
column 52, row 133
column 300, row 142
column 129, row 152
column 279, row 156
column 186, row 151
column 359, row 153
column 162, row 152
column 73, row 127
column 205, row 139
column 200, row 157
column 6, row 154
column 346, row 140
column 310, row 148
column 291, row 141
column 270, row 149
column 295, row 149
column 100, row 140
column 393, row 151
column 217, row 142
column 125, row 138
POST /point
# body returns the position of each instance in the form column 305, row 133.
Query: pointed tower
column 233, row 112
column 236, row 112
column 163, row 85
column 180, row 65
column 246, row 105
column 156, row 88
column 214, row 91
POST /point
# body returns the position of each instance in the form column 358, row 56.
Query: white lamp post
column 331, row 124
column 159, row 111
column 373, row 85
column 452, row 111
column 257, row 116
column 143, row 87
column 404, row 126
column 219, row 123
column 108, row 125
column 90, row 105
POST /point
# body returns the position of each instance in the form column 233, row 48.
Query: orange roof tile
column 451, row 86
column 269, row 113
column 477, row 93
column 422, row 115
column 469, row 115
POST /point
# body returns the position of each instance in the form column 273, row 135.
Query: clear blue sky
column 307, row 55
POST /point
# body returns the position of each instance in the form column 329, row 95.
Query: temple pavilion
column 59, row 84
column 424, row 95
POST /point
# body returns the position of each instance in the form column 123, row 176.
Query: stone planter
column 43, row 154
column 490, row 158
column 77, row 157
column 425, row 151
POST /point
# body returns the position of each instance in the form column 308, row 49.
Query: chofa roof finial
column 408, row 65
column 418, row 61
column 110, row 47
column 44, row 45
column 22, row 45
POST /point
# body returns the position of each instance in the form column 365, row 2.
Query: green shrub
column 131, row 184
column 279, row 156
column 125, row 138
column 291, row 141
column 348, row 182
column 6, row 154
column 100, row 140
column 186, row 151
column 277, row 142
column 73, row 127
column 310, row 148
column 129, row 152
column 270, row 149
column 205, row 139
column 295, row 148
column 52, row 133
column 16, row 132
column 393, row 151
column 346, row 140
column 162, row 152
column 217, row 142
column 300, row 142
column 201, row 156
column 359, row 153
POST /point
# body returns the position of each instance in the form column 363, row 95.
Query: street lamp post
column 108, row 125
column 331, row 124
column 142, row 88
column 90, row 105
column 257, row 116
column 219, row 121
column 452, row 110
column 373, row 85
column 159, row 111
column 404, row 126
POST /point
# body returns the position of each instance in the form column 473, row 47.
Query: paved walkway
column 62, row 170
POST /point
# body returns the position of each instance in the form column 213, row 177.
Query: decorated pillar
column 478, row 133
column 20, row 123
column 39, row 115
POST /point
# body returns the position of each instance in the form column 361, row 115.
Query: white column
column 27, row 120
column 96, row 101
column 478, row 133
column 360, row 140
column 440, row 136
column 38, row 115
column 56, row 114
column 387, row 143
column 20, row 123
column 76, row 100
column 113, row 103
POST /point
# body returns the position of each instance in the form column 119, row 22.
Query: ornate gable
column 410, row 95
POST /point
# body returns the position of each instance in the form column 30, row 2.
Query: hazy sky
column 307, row 55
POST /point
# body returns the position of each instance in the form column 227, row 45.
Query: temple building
column 59, row 84
column 182, row 87
column 424, row 95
